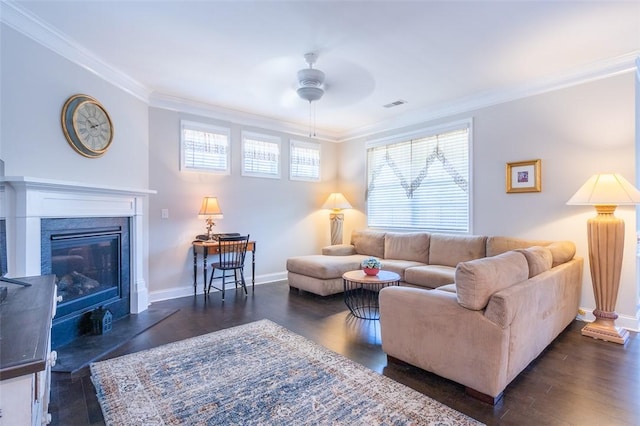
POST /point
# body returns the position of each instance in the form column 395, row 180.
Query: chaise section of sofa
column 322, row 274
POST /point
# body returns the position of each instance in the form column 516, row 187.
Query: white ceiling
column 244, row 55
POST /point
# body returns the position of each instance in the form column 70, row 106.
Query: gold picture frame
column 524, row 176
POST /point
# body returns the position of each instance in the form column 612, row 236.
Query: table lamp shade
column 336, row 201
column 210, row 208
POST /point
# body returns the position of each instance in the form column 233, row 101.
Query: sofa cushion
column 478, row 279
column 498, row 245
column 451, row 288
column 324, row 267
column 411, row 246
column 430, row 276
column 562, row 252
column 538, row 258
column 370, row 243
column 399, row 266
column 449, row 250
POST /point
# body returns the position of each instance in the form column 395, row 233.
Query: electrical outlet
column 582, row 312
column 165, row 213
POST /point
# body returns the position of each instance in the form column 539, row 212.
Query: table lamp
column 606, row 244
column 336, row 202
column 210, row 210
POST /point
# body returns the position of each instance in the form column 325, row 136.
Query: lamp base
column 336, row 220
column 605, row 329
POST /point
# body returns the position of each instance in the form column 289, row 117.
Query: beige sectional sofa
column 473, row 309
column 422, row 259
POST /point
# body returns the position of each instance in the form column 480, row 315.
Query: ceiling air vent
column 395, row 103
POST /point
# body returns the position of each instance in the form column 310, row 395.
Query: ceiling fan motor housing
column 310, row 81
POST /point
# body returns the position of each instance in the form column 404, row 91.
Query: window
column 260, row 155
column 304, row 161
column 421, row 181
column 204, row 148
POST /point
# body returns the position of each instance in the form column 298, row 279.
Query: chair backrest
column 232, row 251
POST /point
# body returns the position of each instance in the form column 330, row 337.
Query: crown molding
column 596, row 71
column 174, row 103
column 28, row 24
column 14, row 16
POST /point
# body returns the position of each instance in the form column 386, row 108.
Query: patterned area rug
column 256, row 374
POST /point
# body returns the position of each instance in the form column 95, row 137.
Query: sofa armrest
column 339, row 250
column 535, row 311
column 551, row 293
column 431, row 330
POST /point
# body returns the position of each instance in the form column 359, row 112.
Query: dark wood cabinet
column 25, row 351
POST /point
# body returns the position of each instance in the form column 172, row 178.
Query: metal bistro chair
column 232, row 251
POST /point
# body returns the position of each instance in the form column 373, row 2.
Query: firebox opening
column 86, row 268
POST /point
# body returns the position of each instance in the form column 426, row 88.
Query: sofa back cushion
column 477, row 280
column 369, row 243
column 562, row 252
column 407, row 246
column 538, row 258
column 449, row 250
column 498, row 245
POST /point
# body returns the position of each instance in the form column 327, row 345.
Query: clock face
column 87, row 126
column 92, row 126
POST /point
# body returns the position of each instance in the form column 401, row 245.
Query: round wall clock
column 87, row 126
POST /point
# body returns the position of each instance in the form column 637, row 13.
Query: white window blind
column 260, row 155
column 422, row 183
column 304, row 161
column 204, row 147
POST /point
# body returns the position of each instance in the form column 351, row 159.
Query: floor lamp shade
column 606, row 245
column 336, row 202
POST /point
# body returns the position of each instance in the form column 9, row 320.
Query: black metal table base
column 362, row 298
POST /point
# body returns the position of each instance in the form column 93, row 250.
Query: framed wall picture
column 524, row 176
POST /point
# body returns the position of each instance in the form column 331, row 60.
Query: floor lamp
column 606, row 244
column 336, row 203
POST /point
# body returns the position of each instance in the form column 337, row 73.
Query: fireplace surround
column 32, row 203
column 90, row 259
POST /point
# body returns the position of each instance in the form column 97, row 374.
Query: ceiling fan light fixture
column 310, row 88
column 310, row 93
column 310, row 80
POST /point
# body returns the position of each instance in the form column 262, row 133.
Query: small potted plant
column 371, row 266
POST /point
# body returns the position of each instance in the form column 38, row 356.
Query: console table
column 25, row 351
column 211, row 247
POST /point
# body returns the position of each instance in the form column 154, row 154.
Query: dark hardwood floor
column 575, row 381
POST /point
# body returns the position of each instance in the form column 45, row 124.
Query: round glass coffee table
column 361, row 291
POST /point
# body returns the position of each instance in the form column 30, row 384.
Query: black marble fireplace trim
column 67, row 328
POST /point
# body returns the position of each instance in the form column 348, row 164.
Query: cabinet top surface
column 25, row 325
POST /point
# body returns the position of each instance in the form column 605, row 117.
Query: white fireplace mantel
column 28, row 200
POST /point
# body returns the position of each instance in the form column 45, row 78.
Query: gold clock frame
column 71, row 133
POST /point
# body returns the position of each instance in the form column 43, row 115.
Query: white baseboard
column 624, row 321
column 187, row 290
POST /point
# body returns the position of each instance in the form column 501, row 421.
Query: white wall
column 283, row 216
column 35, row 83
column 577, row 131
